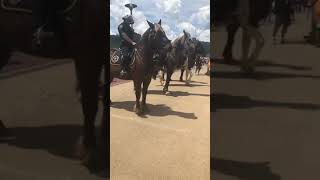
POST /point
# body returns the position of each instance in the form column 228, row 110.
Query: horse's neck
column 143, row 51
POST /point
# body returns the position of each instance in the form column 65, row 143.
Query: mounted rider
column 126, row 33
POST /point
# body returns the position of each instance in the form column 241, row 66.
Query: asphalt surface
column 42, row 109
column 267, row 127
column 171, row 142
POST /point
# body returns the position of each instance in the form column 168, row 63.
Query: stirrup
column 40, row 34
column 123, row 73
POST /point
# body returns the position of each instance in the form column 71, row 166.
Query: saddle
column 25, row 6
column 117, row 58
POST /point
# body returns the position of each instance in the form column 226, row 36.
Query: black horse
column 199, row 51
column 176, row 58
column 81, row 35
column 246, row 14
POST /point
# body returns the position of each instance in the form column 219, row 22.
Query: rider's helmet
column 128, row 19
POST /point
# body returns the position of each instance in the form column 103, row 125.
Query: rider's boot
column 124, row 70
column 43, row 30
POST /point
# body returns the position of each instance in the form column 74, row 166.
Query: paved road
column 273, row 118
column 171, row 142
column 42, row 109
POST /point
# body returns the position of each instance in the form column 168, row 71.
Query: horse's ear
column 159, row 22
column 185, row 33
column 151, row 24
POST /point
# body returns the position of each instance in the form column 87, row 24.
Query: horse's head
column 187, row 43
column 157, row 38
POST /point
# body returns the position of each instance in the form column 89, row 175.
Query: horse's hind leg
column 146, row 84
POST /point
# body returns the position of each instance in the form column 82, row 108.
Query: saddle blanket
column 26, row 5
column 117, row 58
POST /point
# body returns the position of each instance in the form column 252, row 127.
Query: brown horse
column 153, row 41
column 81, row 37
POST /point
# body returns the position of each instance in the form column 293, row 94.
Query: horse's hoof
column 145, row 108
column 248, row 69
column 80, row 150
column 137, row 110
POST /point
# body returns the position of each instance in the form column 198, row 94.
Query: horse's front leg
column 88, row 78
column 166, row 86
column 181, row 75
column 161, row 78
column 227, row 52
column 188, row 76
column 146, row 84
column 258, row 37
column 137, row 88
column 246, row 41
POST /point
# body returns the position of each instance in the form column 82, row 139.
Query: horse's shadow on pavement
column 176, row 93
column 197, row 82
column 243, row 170
column 259, row 75
column 266, row 63
column 225, row 101
column 59, row 140
column 155, row 110
column 184, row 85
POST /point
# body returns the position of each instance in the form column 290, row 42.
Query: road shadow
column 184, row 85
column 295, row 42
column 59, row 140
column 198, row 82
column 225, row 101
column 244, row 170
column 176, row 93
column 259, row 75
column 155, row 110
column 265, row 63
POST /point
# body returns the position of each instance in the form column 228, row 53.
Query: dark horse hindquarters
column 84, row 40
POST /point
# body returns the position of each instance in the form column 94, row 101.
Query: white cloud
column 187, row 26
column 169, row 6
column 112, row 32
column 202, row 16
column 176, row 15
column 204, row 35
column 141, row 24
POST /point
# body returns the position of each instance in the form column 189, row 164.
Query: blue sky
column 176, row 15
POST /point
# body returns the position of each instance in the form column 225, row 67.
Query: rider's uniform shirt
column 125, row 28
